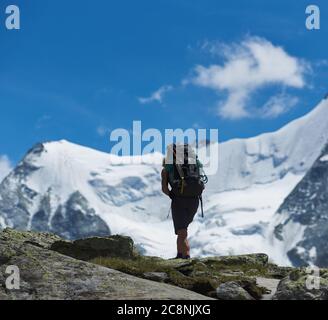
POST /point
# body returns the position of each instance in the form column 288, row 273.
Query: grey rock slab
column 48, row 275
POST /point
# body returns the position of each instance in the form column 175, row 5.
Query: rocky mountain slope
column 305, row 211
column 111, row 268
column 78, row 192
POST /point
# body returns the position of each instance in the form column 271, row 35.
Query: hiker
column 182, row 173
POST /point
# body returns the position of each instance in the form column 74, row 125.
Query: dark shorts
column 183, row 212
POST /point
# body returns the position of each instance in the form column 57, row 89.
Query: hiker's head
column 180, row 154
column 170, row 154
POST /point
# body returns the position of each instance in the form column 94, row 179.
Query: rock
column 302, row 285
column 41, row 239
column 177, row 263
column 270, row 284
column 250, row 259
column 232, row 291
column 156, row 276
column 88, row 249
column 202, row 275
column 277, row 272
column 233, row 273
column 49, row 275
column 52, row 268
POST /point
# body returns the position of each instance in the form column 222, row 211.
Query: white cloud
column 278, row 105
column 5, row 167
column 253, row 64
column 156, row 96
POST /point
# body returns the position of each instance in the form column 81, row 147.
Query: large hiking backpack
column 187, row 180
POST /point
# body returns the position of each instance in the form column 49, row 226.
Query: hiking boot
column 179, row 256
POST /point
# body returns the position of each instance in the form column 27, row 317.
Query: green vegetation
column 200, row 275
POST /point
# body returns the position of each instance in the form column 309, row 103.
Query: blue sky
column 77, row 69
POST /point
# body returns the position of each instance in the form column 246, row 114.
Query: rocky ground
column 111, row 268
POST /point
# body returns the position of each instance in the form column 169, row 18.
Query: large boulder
column 156, row 276
column 49, row 275
column 90, row 248
column 301, row 284
column 232, row 291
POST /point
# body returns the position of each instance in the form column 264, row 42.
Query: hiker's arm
column 165, row 182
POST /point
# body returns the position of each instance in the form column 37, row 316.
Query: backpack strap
column 180, row 171
column 181, row 174
column 201, row 205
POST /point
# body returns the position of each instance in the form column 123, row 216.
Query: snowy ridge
column 270, row 156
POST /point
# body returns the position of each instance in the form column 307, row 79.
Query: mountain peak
column 37, row 149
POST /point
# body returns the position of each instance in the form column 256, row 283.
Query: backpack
column 186, row 180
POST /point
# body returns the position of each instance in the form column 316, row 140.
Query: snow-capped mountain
column 72, row 190
column 76, row 192
column 305, row 211
column 271, row 156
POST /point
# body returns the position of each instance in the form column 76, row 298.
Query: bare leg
column 182, row 243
